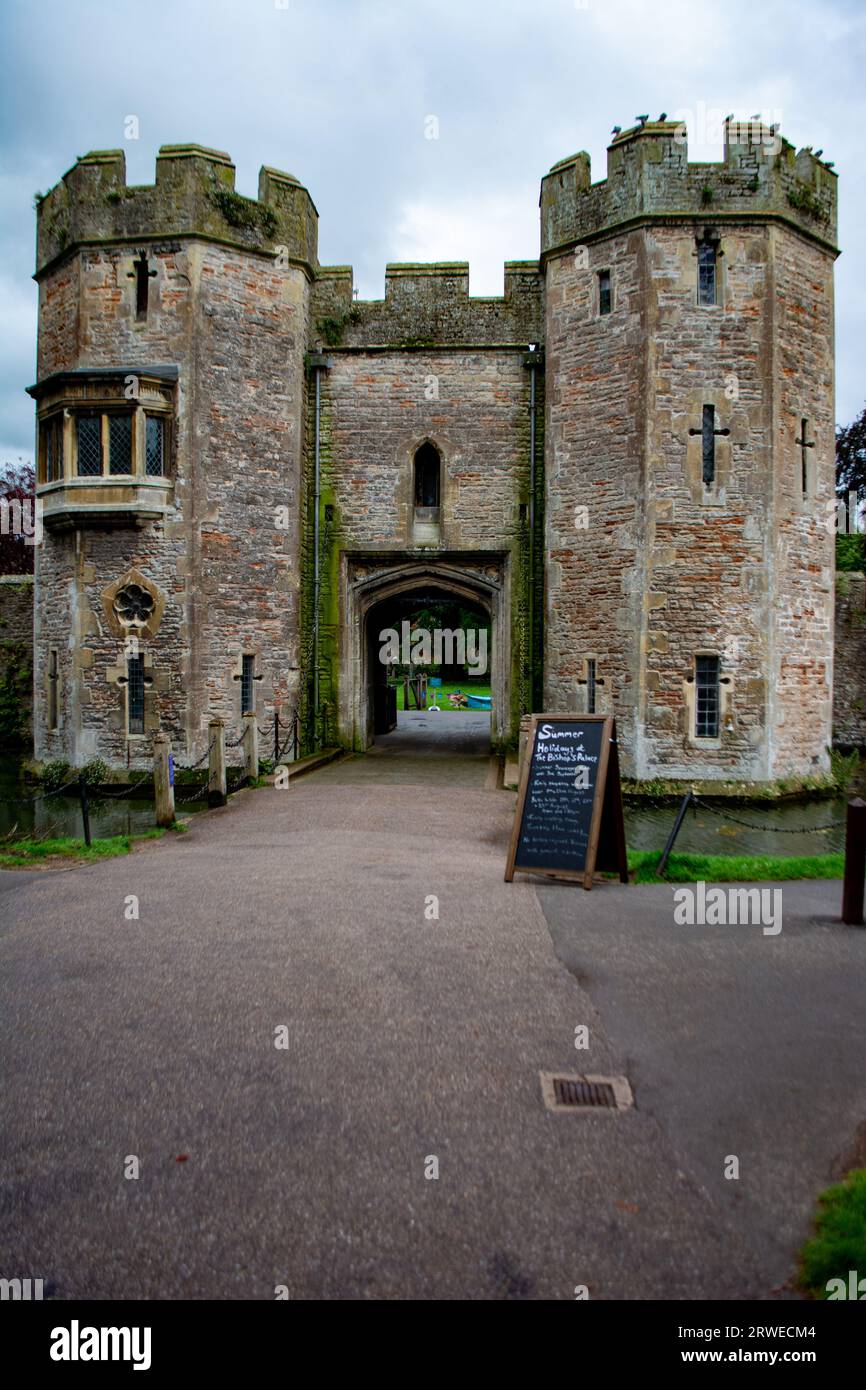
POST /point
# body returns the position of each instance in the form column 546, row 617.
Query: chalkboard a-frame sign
column 569, row 821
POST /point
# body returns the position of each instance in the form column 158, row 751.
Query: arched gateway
column 370, row 583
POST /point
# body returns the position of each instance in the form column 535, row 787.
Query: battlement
column 427, row 305
column 649, row 177
column 193, row 196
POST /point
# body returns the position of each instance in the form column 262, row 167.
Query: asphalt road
column 305, row 916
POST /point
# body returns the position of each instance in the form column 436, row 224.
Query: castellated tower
column 621, row 469
column 170, row 397
column 690, row 451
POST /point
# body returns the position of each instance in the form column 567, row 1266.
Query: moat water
column 792, row 827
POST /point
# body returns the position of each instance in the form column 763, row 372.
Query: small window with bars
column 707, row 259
column 604, row 295
column 247, row 688
column 135, row 694
column 706, row 696
column 154, row 446
column 590, row 685
column 53, row 682
column 89, row 438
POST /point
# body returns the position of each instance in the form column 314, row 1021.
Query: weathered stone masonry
column 634, row 563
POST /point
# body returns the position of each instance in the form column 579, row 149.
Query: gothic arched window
column 427, row 467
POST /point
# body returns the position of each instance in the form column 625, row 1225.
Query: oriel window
column 154, row 446
column 120, row 444
column 52, row 432
column 89, row 437
column 706, row 696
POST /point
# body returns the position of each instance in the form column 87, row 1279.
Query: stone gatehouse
column 624, row 463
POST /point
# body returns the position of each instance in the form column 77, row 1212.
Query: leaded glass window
column 707, row 696
column 53, row 448
column 120, row 444
column 89, row 446
column 135, row 693
column 154, row 446
column 707, row 272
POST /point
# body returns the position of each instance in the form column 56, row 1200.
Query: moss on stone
column 243, row 212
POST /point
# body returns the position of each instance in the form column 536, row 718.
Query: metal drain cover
column 563, row 1092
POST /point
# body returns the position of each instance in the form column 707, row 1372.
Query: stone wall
column 668, row 568
column 639, row 564
column 233, row 320
column 378, row 408
column 594, row 426
column 427, row 305
column 849, row 672
column 16, row 641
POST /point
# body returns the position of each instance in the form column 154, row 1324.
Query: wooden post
column 525, row 722
column 251, row 746
column 216, row 768
column 163, row 791
column 855, row 863
column 85, row 809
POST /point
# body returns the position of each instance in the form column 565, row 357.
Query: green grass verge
column 733, row 868
column 441, row 692
column 17, row 854
column 839, row 1244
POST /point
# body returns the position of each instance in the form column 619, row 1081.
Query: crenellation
column 649, row 178
column 193, row 195
column 429, row 304
column 282, row 392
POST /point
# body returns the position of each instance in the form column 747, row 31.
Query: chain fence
column 772, row 829
column 40, row 796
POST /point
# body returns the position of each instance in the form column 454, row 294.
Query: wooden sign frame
column 607, row 797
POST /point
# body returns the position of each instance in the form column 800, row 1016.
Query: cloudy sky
column 338, row 92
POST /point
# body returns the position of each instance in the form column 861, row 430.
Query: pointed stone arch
column 368, row 581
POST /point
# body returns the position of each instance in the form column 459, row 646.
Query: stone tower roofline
column 427, row 304
column 649, row 178
column 194, row 196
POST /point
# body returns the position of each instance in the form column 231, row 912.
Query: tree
column 17, row 484
column 851, row 456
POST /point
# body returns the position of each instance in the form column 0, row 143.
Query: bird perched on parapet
column 617, row 130
column 756, row 117
column 818, row 154
column 643, row 119
column 728, row 119
column 829, row 164
column 663, row 116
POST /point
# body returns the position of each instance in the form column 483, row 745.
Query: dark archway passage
column 428, row 660
column 478, row 583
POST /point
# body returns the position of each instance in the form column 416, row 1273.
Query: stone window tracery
column 133, row 606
